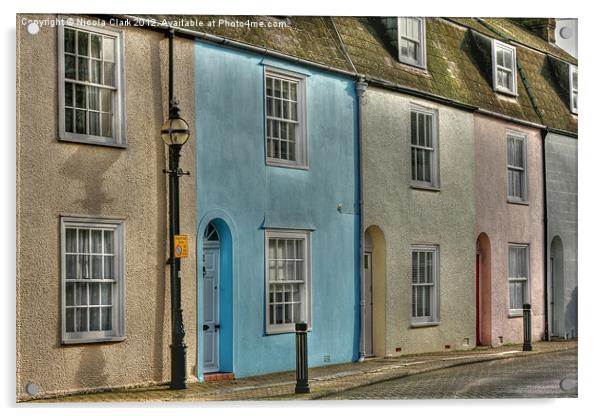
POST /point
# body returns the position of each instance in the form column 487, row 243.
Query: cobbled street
column 538, row 376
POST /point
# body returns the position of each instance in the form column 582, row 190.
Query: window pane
column 108, row 49
column 268, row 86
column 70, row 66
column 429, row 131
column 94, row 319
column 94, row 123
column 82, row 69
column 96, row 241
column 106, row 297
column 413, row 123
column 427, row 165
column 421, row 129
column 277, row 88
column 106, row 97
column 80, row 122
column 427, row 301
column 96, row 267
column 81, row 319
column 109, row 238
column 69, row 41
column 95, row 293
column 95, row 43
column 107, row 319
column 109, row 73
column 70, row 294
column 68, row 94
column 71, row 240
column 109, row 267
column 294, row 91
column 82, row 43
column 81, row 294
column 70, row 320
column 80, row 96
column 403, row 22
column 415, row 276
column 499, row 54
column 71, row 266
column 69, row 120
column 107, row 125
column 95, row 71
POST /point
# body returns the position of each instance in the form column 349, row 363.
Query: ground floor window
column 92, row 279
column 518, row 277
column 288, row 278
column 425, row 284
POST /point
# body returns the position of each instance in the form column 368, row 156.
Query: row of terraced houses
column 401, row 184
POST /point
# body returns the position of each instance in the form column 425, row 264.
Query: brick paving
column 325, row 381
column 520, row 377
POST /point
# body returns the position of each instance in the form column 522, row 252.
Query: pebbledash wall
column 500, row 223
column 242, row 196
column 561, row 189
column 57, row 178
column 398, row 216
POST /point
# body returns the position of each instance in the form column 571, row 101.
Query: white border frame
column 119, row 125
column 118, row 225
column 495, row 45
column 421, row 62
column 282, row 233
column 302, row 141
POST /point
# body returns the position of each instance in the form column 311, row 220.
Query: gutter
column 545, row 238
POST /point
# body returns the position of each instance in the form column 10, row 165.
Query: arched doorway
column 373, row 313
column 556, row 307
column 216, row 298
column 483, row 290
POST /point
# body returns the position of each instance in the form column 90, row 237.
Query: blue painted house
column 278, row 212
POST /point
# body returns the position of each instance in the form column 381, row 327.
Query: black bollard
column 302, row 373
column 527, row 327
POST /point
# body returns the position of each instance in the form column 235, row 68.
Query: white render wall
column 410, row 216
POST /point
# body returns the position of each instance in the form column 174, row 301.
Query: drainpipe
column 545, row 237
column 360, row 88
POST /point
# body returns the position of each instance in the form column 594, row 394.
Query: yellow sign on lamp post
column 180, row 246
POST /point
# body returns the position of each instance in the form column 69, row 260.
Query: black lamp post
column 175, row 132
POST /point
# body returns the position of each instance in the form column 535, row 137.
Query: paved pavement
column 324, row 381
column 537, row 376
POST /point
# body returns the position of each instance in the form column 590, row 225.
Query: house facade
column 92, row 303
column 277, row 186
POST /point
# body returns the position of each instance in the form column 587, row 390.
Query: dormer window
column 411, row 41
column 573, row 86
column 504, row 68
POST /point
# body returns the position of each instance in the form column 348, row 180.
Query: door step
column 212, row 377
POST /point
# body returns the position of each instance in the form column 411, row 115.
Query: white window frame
column 421, row 41
column 305, row 293
column 301, row 141
column 527, row 280
column 434, row 318
column 522, row 137
column 504, row 46
column 119, row 138
column 573, row 90
column 117, row 333
column 434, row 182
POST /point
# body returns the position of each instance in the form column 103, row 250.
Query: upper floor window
column 92, row 279
column 288, row 278
column 411, row 41
column 517, row 166
column 504, row 67
column 286, row 141
column 424, row 147
column 518, row 275
column 573, row 85
column 91, row 85
column 425, row 284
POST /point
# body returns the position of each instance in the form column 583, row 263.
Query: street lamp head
column 175, row 131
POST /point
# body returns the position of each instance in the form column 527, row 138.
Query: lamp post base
column 178, row 367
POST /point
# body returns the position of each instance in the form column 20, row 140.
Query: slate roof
column 456, row 68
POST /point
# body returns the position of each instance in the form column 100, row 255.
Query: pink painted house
column 509, row 230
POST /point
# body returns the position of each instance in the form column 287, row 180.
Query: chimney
column 543, row 27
